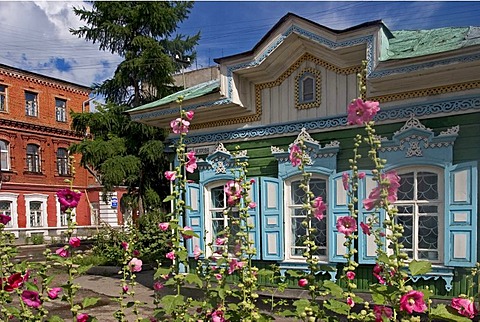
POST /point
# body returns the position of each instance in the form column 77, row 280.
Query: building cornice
column 38, row 128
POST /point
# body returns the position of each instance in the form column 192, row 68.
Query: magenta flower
column 365, row 228
column 30, row 298
column 185, row 229
column 53, row 293
column 189, row 115
column 360, row 112
column 361, row 175
column 233, row 190
column 125, row 288
column 346, row 225
column 465, row 307
column 163, row 226
column 4, row 219
column 302, row 282
column 135, row 265
column 220, row 241
column 319, row 208
column 136, row 253
column 157, row 286
column 170, row 255
column 197, row 252
column 382, row 312
column 14, row 281
column 412, row 301
column 295, row 155
column 68, row 198
column 62, row 252
column 350, row 302
column 377, row 272
column 390, row 181
column 350, row 275
column 217, row 316
column 218, row 276
column 179, row 126
column 234, row 265
column 124, row 246
column 170, row 175
column 82, row 317
column 74, row 242
column 252, row 205
column 345, row 178
column 191, row 164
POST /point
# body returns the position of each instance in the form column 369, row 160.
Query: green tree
column 117, row 151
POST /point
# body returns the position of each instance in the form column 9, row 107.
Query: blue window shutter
column 461, row 215
column 195, row 218
column 337, row 207
column 271, row 204
column 254, row 218
column 366, row 244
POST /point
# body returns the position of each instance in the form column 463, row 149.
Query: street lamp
column 184, row 61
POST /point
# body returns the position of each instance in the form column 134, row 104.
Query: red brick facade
column 36, row 176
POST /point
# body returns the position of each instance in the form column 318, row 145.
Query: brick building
column 35, row 133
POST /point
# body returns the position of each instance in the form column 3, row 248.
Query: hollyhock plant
column 345, row 178
column 252, row 205
column 381, row 312
column 220, row 241
column 31, row 298
column 389, row 181
column 136, row 253
column 74, row 242
column 4, row 219
column 233, row 190
column 302, row 282
column 413, row 301
column 13, row 282
column 360, row 111
column 68, row 198
column 53, row 293
column 295, row 155
column 163, row 226
column 170, row 175
column 197, row 252
column 124, row 246
column 62, row 252
column 346, row 225
column 365, row 228
column 170, row 255
column 234, row 265
column 157, row 286
column 191, row 164
column 125, row 288
column 350, row 275
column 82, row 317
column 179, row 126
column 465, row 307
column 350, row 302
column 135, row 265
column 319, row 208
column 187, row 236
column 218, row 276
column 189, row 115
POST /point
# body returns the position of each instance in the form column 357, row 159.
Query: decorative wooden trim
column 318, row 89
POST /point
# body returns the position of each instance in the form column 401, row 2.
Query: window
column 4, row 156
column 3, row 98
column 419, row 211
column 295, row 230
column 60, row 110
column 6, row 210
column 308, row 86
column 33, row 158
column 62, row 162
column 36, row 214
column 31, row 104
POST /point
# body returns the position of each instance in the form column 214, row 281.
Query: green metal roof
column 188, row 93
column 415, row 43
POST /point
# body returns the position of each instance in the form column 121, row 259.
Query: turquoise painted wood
column 338, row 200
column 195, row 217
column 254, row 218
column 271, row 202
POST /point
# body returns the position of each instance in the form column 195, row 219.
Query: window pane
column 298, row 233
column 307, row 86
column 428, row 228
column 62, row 161
column 31, row 107
column 406, row 189
column 217, row 198
column 427, row 186
column 405, row 218
column 60, row 110
column 4, row 158
column 6, row 210
column 33, row 159
column 3, row 98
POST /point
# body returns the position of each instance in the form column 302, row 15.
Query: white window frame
column 13, row 199
column 440, row 203
column 39, row 198
column 3, row 98
column 60, row 110
column 31, row 106
column 288, row 219
column 5, row 153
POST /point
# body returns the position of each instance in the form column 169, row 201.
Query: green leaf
column 448, row 314
column 194, row 279
column 170, row 302
column 301, row 305
column 334, row 289
column 337, row 307
column 130, row 304
column 265, row 272
column 83, row 268
column 160, row 272
column 294, row 273
column 419, row 267
column 169, row 198
column 56, row 318
column 89, row 301
column 378, row 298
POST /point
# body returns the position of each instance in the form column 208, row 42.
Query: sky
column 34, row 35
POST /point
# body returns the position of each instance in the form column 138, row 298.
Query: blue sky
column 34, row 34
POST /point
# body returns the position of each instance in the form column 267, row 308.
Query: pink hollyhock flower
column 53, row 293
column 218, row 276
column 319, row 208
column 189, row 115
column 170, row 175
column 252, row 181
column 170, row 255
column 68, row 198
column 135, row 265
column 252, row 205
column 350, row 302
column 377, row 272
column 13, row 282
column 157, row 286
column 345, row 178
column 179, row 126
column 233, row 190
column 82, row 317
column 389, row 181
column 4, row 219
column 187, row 228
column 217, row 316
column 125, row 288
column 136, row 253
column 373, row 199
column 361, row 175
column 346, row 225
column 124, row 246
column 62, row 252
column 302, row 282
column 234, row 265
column 365, row 228
column 220, row 241
column 360, row 111
column 197, row 252
column 295, row 155
column 74, row 242
column 30, row 298
column 392, row 186
column 465, row 307
column 163, row 226
column 350, row 275
column 191, row 164
column 412, row 301
column 382, row 312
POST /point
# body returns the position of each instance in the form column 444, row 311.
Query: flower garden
column 26, row 287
